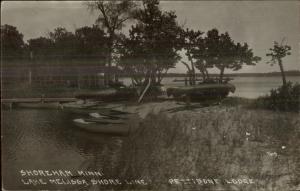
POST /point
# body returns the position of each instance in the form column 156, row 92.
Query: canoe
column 105, row 116
column 79, row 105
column 40, row 105
column 102, row 126
column 96, row 115
column 202, row 91
column 106, row 121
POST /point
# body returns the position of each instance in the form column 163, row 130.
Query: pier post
column 29, row 77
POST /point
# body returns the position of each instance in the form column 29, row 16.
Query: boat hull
column 77, row 105
column 103, row 127
column 110, row 95
column 202, row 92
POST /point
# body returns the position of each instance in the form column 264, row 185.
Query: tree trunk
column 285, row 90
column 207, row 74
column 193, row 74
column 203, row 75
column 109, row 59
column 116, row 78
column 221, row 74
column 282, row 72
column 29, row 77
column 161, row 76
column 109, row 73
column 189, row 72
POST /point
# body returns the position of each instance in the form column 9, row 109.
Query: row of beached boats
column 198, row 93
column 114, row 123
column 90, row 99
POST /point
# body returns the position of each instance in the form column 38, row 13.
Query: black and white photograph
column 150, row 95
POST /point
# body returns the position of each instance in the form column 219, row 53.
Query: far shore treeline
column 86, row 42
column 214, row 75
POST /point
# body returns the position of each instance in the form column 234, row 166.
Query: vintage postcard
column 150, row 95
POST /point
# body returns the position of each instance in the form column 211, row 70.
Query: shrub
column 284, row 98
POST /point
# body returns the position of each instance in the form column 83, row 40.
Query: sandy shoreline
column 169, row 108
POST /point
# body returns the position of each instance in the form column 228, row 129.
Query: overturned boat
column 109, row 95
column 102, row 126
column 202, row 92
column 80, row 104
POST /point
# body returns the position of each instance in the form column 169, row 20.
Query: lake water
column 248, row 87
column 258, row 86
column 48, row 140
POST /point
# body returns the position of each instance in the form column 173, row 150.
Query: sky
column 259, row 23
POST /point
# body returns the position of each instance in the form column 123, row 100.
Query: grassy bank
column 230, row 142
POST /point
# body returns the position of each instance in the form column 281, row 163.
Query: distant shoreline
column 269, row 74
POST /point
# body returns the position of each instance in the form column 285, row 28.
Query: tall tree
column 203, row 60
column 92, row 42
column 153, row 44
column 201, row 51
column 277, row 53
column 64, row 43
column 223, row 53
column 113, row 15
column 12, row 43
column 191, row 42
column 87, row 43
column 40, row 47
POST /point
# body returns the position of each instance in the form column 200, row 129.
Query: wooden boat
column 202, row 91
column 40, row 105
column 110, row 94
column 121, row 94
column 106, row 121
column 102, row 126
column 105, row 116
column 96, row 115
column 79, row 104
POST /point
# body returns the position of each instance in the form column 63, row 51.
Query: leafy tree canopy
column 86, row 42
column 153, row 43
column 40, row 46
column 91, row 41
column 113, row 14
column 223, row 53
column 12, row 42
column 277, row 53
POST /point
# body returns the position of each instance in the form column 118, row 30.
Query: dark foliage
column 284, row 98
column 277, row 53
column 85, row 43
column 12, row 42
column 152, row 47
column 224, row 53
column 112, row 17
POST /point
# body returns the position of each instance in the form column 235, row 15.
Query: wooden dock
column 35, row 102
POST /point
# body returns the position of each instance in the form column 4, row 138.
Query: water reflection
column 47, row 139
column 248, row 87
